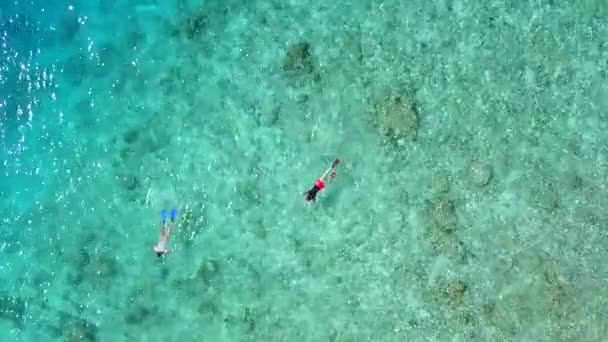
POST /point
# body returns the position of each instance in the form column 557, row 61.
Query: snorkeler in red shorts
column 311, row 194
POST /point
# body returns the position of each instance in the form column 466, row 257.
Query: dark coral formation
column 130, row 182
column 90, row 265
column 298, row 59
column 139, row 314
column 192, row 26
column 76, row 329
column 207, row 271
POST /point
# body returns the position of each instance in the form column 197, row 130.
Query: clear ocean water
column 470, row 203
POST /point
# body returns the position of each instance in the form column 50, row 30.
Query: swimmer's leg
column 173, row 213
column 163, row 216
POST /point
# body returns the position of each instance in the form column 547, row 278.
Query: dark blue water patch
column 34, row 157
column 81, row 68
column 25, row 81
column 30, row 66
column 21, row 32
column 21, row 90
column 26, row 33
column 12, row 308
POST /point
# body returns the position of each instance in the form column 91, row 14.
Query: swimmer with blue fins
column 165, row 230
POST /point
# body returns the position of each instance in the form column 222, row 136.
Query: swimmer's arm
column 329, row 169
column 325, row 173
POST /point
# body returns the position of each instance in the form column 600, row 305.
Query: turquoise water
column 469, row 205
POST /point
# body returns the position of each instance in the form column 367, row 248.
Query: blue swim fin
column 173, row 213
column 163, row 216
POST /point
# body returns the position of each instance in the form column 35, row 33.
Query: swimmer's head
column 159, row 251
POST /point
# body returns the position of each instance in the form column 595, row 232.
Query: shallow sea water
column 469, row 204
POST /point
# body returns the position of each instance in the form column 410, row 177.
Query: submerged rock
column 440, row 240
column 440, row 184
column 442, row 212
column 207, row 271
column 479, row 173
column 455, row 291
column 396, row 118
column 544, row 197
column 298, row 59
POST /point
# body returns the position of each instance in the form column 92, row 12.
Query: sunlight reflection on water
column 35, row 132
